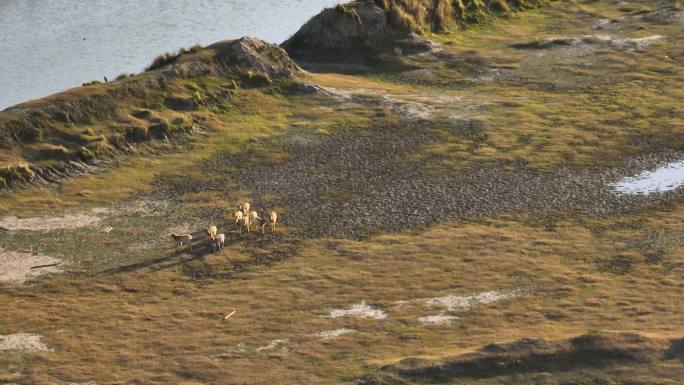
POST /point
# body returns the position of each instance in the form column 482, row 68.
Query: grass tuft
column 442, row 15
column 171, row 57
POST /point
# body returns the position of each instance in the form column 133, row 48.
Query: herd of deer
column 245, row 219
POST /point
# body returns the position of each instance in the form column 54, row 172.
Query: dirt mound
column 356, row 27
column 364, row 29
column 246, row 58
column 530, row 355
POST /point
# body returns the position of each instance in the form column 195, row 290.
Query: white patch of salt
column 361, row 309
column 439, row 319
column 270, row 346
column 329, row 334
column 22, row 343
column 463, row 303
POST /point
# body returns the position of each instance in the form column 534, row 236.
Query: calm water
column 43, row 51
column 663, row 179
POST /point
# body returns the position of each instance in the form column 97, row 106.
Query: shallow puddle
column 663, row 179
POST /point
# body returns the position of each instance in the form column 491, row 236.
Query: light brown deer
column 244, row 207
column 244, row 223
column 182, row 239
column 218, row 242
column 211, row 232
column 254, row 219
column 272, row 219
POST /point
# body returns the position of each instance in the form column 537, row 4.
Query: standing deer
column 272, row 219
column 182, row 239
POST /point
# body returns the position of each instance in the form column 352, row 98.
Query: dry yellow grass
column 122, row 316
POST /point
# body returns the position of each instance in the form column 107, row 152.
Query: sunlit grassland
column 121, row 315
column 158, row 321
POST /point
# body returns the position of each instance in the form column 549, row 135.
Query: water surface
column 49, row 46
column 666, row 178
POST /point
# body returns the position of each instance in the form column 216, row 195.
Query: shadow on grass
column 272, row 248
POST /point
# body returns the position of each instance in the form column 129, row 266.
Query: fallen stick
column 41, row 266
column 229, row 315
column 17, row 301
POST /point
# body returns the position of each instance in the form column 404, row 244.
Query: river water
column 49, row 46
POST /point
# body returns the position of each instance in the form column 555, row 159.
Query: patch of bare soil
column 22, row 343
column 17, row 268
column 67, row 221
column 590, row 40
column 411, row 107
column 351, row 185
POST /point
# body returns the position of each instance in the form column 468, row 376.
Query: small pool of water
column 660, row 180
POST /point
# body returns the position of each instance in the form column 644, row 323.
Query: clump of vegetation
column 13, row 174
column 85, row 153
column 26, row 133
column 347, row 11
column 124, row 76
column 170, row 57
column 137, row 133
column 256, row 79
column 93, row 83
column 198, row 98
column 52, row 151
column 160, row 128
column 441, row 15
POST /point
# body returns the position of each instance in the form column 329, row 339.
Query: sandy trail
column 67, row 221
column 411, row 107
